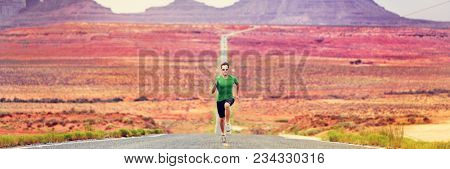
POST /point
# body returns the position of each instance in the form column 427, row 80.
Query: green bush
column 124, row 133
column 115, row 134
column 68, row 136
column 7, row 141
column 140, row 132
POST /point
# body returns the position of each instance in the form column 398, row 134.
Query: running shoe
column 224, row 138
column 228, row 128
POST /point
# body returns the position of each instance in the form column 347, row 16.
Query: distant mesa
column 10, row 8
column 277, row 12
column 31, row 3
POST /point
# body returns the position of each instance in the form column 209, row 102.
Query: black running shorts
column 221, row 106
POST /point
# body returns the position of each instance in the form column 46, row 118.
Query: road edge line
column 83, row 141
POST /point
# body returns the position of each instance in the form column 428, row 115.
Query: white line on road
column 84, row 141
column 296, row 137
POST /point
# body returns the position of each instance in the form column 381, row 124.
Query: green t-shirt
column 225, row 87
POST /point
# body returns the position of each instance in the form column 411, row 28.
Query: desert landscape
column 312, row 68
column 321, row 78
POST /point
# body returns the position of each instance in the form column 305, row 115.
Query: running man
column 224, row 84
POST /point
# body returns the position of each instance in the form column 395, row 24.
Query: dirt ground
column 429, row 132
column 374, row 100
column 353, row 78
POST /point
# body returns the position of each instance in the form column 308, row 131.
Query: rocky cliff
column 10, row 8
column 280, row 12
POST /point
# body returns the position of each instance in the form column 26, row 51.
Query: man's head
column 224, row 67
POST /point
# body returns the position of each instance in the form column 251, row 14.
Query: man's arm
column 214, row 87
column 237, row 90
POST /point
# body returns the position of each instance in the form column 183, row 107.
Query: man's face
column 225, row 70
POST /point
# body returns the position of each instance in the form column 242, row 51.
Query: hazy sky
column 401, row 7
column 405, row 7
column 134, row 6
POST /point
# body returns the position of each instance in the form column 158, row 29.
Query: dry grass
column 22, row 140
column 391, row 137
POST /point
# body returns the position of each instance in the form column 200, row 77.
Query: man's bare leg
column 222, row 125
column 227, row 117
column 227, row 112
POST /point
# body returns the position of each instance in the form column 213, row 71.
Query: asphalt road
column 199, row 141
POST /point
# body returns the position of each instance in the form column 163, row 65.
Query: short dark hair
column 225, row 63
